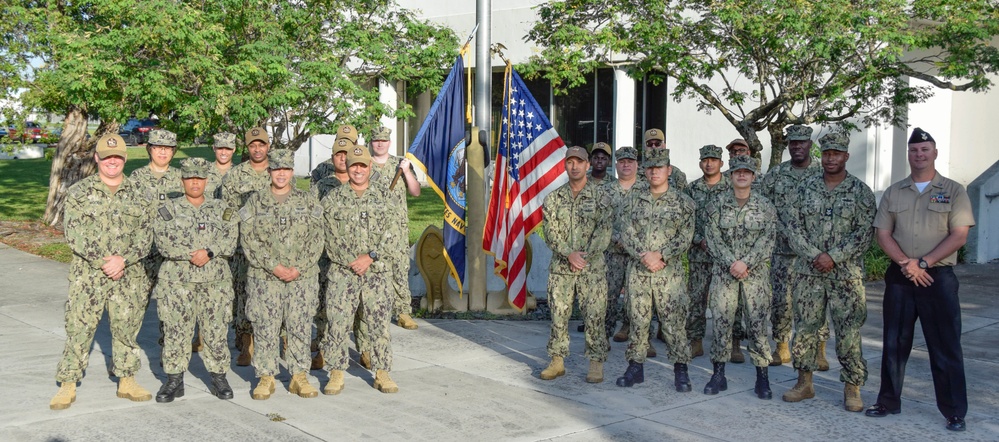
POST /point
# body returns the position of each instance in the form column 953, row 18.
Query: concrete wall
column 983, row 239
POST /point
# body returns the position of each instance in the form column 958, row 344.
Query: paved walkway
column 469, row 380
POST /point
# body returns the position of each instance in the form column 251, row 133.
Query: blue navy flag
column 439, row 150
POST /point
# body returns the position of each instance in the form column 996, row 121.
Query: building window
column 650, row 107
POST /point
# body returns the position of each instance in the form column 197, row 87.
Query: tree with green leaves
column 297, row 67
column 767, row 64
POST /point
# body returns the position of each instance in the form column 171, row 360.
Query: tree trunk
column 73, row 160
column 777, row 143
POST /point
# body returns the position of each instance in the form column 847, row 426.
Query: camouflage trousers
column 782, row 316
column 151, row 266
column 402, row 303
column 321, row 320
column 617, row 275
column 346, row 293
column 587, row 287
column 727, row 295
column 697, row 289
column 846, row 301
column 180, row 307
column 665, row 291
column 362, row 335
column 239, row 267
column 271, row 303
column 90, row 292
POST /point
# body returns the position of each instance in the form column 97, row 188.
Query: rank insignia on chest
column 829, row 212
column 940, row 198
column 284, row 220
column 201, row 226
column 364, row 215
column 162, row 196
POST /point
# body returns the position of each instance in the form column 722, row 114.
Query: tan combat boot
column 335, row 385
column 696, row 348
column 851, row 398
column 246, row 355
column 737, row 356
column 782, row 355
column 384, row 383
column 131, row 390
column 596, row 374
column 300, row 385
column 197, row 345
column 265, row 388
column 365, row 359
column 622, row 333
column 820, row 359
column 65, row 397
column 802, row 390
column 555, row 369
column 405, row 321
column 317, row 361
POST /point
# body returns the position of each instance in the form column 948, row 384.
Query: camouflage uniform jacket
column 213, row 189
column 581, row 223
column 324, row 186
column 837, row 222
column 355, row 225
column 322, row 170
column 779, row 186
column 664, row 224
column 241, row 181
column 180, row 228
column 678, row 179
column 99, row 223
column 740, row 234
column 382, row 176
column 288, row 233
column 157, row 190
column 703, row 195
column 618, row 197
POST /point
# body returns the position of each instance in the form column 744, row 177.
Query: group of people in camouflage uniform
column 217, row 244
column 781, row 250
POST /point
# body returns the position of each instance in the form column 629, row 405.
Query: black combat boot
column 718, row 381
column 172, row 388
column 680, row 378
column 763, row 383
column 635, row 374
column 220, row 386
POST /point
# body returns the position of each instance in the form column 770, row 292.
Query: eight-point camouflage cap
column 742, row 162
column 162, row 137
column 711, row 151
column 256, row 134
column 603, row 147
column 281, row 159
column 627, row 153
column 834, row 141
column 347, row 131
column 358, row 155
column 381, row 134
column 798, row 132
column 110, row 145
column 194, row 168
column 342, row 145
column 653, row 134
column 224, row 140
column 656, row 158
column 577, row 152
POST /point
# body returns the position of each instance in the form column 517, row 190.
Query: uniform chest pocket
column 728, row 220
column 939, row 216
column 845, row 209
column 900, row 206
column 755, row 222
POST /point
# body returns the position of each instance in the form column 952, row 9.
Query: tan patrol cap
column 603, row 147
column 736, row 142
column 653, row 134
column 358, row 155
column 256, row 134
column 342, row 145
column 347, row 131
column 111, row 145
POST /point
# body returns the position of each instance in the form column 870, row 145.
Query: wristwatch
column 211, row 254
column 922, row 264
column 373, row 255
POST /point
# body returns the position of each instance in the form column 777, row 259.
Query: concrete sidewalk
column 470, row 380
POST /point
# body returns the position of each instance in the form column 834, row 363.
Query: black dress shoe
column 879, row 410
column 955, row 423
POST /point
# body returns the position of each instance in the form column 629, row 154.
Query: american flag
column 529, row 164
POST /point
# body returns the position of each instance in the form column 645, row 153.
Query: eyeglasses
column 653, row 143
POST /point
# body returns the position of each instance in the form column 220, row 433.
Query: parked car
column 136, row 131
column 32, row 133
